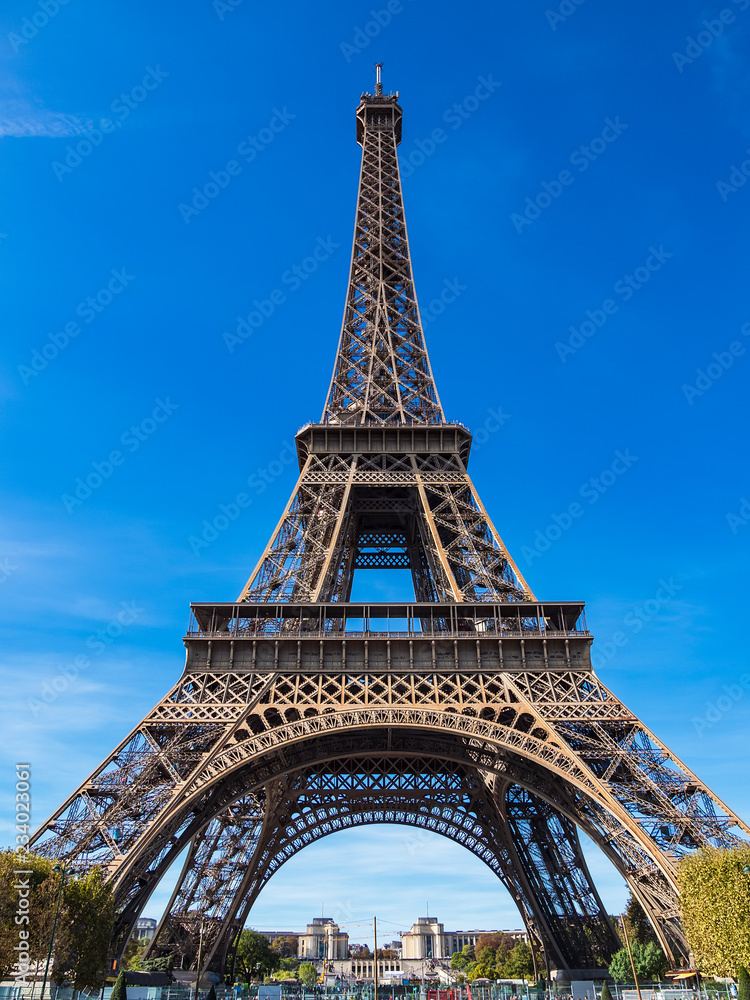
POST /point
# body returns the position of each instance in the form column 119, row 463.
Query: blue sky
column 588, row 216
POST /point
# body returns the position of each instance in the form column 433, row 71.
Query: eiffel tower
column 473, row 711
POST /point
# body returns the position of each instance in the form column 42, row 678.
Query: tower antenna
column 378, row 84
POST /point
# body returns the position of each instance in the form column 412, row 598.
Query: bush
column 743, row 984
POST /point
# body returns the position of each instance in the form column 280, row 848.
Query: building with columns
column 457, row 940
column 426, row 939
column 323, row 942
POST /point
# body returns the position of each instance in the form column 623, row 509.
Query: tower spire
column 382, row 373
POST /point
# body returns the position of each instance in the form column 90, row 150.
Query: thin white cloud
column 22, row 119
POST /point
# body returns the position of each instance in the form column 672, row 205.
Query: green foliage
column 165, row 963
column 84, row 931
column 84, row 925
column 619, row 967
column 37, row 921
column 743, row 984
column 649, row 960
column 520, row 963
column 307, row 974
column 606, row 993
column 132, row 958
column 638, row 925
column 495, row 941
column 255, row 957
column 498, row 956
column 715, row 904
column 285, row 947
column 119, row 992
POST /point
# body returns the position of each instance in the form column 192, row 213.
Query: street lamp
column 200, row 958
column 63, row 872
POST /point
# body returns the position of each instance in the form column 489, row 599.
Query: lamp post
column 200, row 958
column 63, row 872
column 630, row 954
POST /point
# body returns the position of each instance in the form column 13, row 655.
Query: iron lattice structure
column 472, row 712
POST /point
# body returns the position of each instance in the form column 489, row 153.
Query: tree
column 36, row 919
column 477, row 970
column 160, row 963
column 743, row 984
column 133, row 954
column 285, row 947
column 520, row 963
column 495, row 941
column 649, row 961
column 619, row 967
column 459, row 961
column 84, row 925
column 637, row 923
column 211, row 995
column 255, row 957
column 84, row 931
column 119, row 991
column 486, row 956
column 715, row 904
column 307, row 974
column 606, row 994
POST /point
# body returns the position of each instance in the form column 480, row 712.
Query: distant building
column 272, row 935
column 145, row 927
column 323, row 941
column 457, row 940
column 426, row 939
